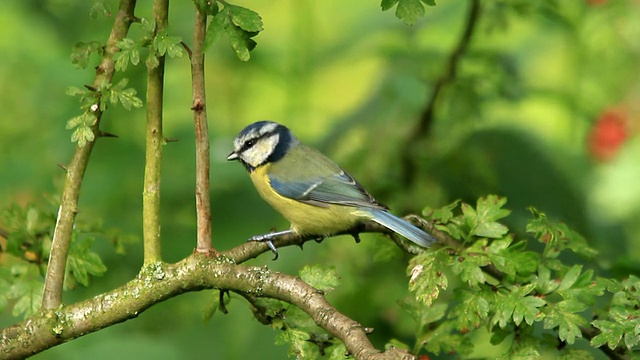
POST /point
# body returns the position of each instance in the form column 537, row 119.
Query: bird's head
column 260, row 143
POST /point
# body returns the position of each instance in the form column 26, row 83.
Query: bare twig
column 203, row 204
column 423, row 127
column 155, row 141
column 52, row 296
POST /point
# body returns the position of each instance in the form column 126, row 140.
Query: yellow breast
column 305, row 218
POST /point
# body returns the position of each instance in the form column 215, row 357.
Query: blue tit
column 308, row 189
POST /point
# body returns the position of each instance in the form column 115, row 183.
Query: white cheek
column 261, row 151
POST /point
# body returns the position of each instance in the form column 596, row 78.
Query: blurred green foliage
column 515, row 121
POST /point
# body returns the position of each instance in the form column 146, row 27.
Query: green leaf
column 129, row 52
column 444, row 214
column 81, row 53
column 241, row 42
column 409, row 11
column 28, row 295
column 82, row 135
column 26, row 289
column 99, row 8
column 83, row 262
column 517, row 305
column 563, row 315
column 388, row 4
column 443, row 338
column 247, row 20
column 321, row 279
column 299, row 345
column 470, row 262
column 169, row 45
column 337, row 351
column 620, row 327
column 216, row 28
column 240, row 25
column 557, row 237
column 489, row 210
column 473, row 308
column 396, row 344
column 427, row 276
column 570, row 278
column 575, row 354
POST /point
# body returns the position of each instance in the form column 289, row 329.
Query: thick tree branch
column 425, row 122
column 52, row 296
column 203, row 205
column 155, row 141
column 158, row 282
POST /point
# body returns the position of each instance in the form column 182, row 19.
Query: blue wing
column 338, row 188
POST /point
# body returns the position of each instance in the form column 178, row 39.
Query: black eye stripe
column 251, row 142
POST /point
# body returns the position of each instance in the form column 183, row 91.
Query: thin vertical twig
column 54, row 279
column 203, row 205
column 155, row 141
column 423, row 127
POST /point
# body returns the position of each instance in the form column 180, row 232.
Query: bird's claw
column 266, row 239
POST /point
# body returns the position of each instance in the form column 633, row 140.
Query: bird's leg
column 268, row 238
column 355, row 232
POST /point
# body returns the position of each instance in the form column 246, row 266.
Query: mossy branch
column 158, row 282
column 52, row 296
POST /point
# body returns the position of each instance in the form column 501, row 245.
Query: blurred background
column 543, row 107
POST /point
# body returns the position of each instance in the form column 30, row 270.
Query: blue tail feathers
column 402, row 227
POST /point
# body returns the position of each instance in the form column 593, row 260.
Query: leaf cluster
column 238, row 24
column 529, row 302
column 25, row 244
column 297, row 330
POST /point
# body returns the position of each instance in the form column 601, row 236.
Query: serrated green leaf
column 26, row 290
column 570, row 278
column 246, row 19
column 395, row 344
column 240, row 41
column 337, row 351
column 99, row 8
column 81, row 53
column 81, row 135
column 444, row 214
column 152, row 61
column 444, row 339
column 409, row 11
column 470, row 262
column 427, row 277
column 216, row 28
column 557, row 236
column 299, row 344
column 429, row 2
column 321, row 279
column 74, row 91
column 575, row 354
column 472, row 310
column 527, row 309
column 563, row 315
column 168, row 45
column 148, row 26
column 82, row 262
column 128, row 98
column 517, row 305
column 388, row 4
column 488, row 211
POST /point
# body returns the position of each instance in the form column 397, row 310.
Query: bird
column 308, row 189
